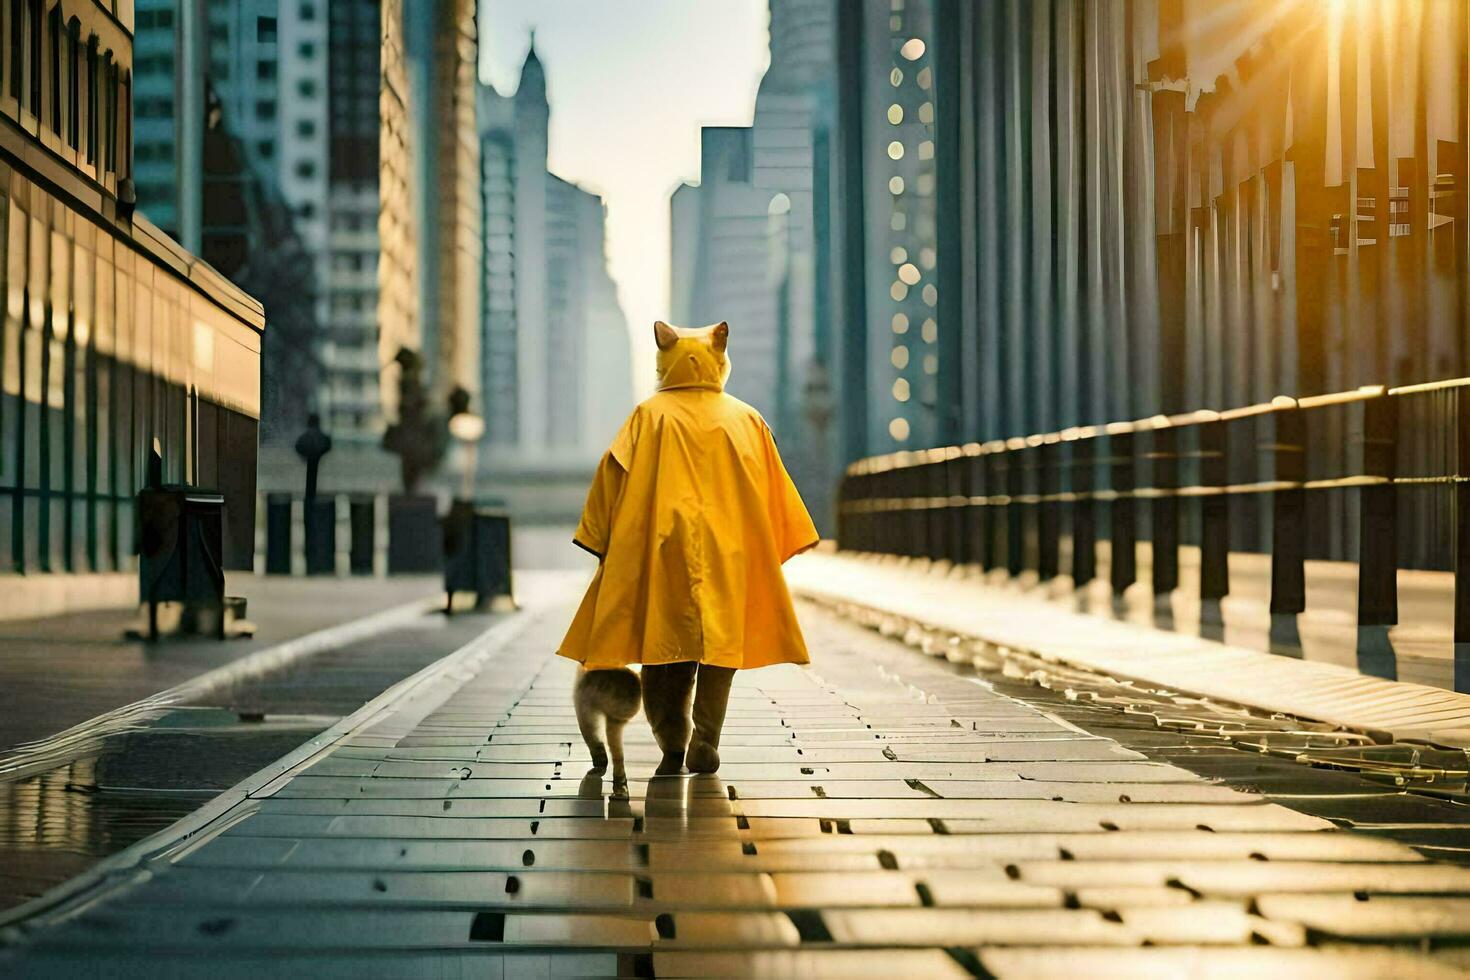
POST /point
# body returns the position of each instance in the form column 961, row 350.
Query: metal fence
column 1376, row 476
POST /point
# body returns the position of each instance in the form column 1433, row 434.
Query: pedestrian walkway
column 876, row 815
column 957, row 603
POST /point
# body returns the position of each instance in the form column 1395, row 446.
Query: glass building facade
column 114, row 340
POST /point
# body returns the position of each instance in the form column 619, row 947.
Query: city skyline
column 611, row 111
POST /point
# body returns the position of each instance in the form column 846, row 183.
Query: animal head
column 692, row 357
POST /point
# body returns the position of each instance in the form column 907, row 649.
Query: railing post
column 1084, row 512
column 937, row 487
column 1047, row 530
column 1165, row 510
column 972, row 464
column 1288, row 514
column 982, row 485
column 1124, row 563
column 918, row 513
column 1460, row 419
column 1015, row 511
column 996, row 481
column 955, row 479
column 1377, row 517
column 1214, row 508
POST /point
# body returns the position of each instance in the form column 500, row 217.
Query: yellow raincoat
column 692, row 514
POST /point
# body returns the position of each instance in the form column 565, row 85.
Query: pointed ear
column 722, row 336
column 664, row 335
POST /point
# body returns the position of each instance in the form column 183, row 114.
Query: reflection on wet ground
column 97, row 796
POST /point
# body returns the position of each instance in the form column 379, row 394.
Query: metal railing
column 1378, row 476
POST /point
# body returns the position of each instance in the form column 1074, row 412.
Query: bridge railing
column 1378, row 476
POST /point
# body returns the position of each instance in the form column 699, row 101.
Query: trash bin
column 180, row 547
column 476, row 554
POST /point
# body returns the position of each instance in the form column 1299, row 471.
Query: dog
column 606, row 700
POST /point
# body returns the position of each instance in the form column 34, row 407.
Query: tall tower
column 532, row 119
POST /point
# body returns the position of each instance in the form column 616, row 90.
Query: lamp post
column 466, row 428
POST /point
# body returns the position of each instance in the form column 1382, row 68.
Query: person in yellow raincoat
column 691, row 514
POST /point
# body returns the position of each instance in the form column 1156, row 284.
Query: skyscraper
column 556, row 368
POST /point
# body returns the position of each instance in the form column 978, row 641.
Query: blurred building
column 1140, row 214
column 296, row 84
column 721, row 246
column 752, row 214
column 557, row 370
column 116, row 340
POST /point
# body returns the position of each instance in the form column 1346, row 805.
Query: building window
column 265, row 70
column 306, row 127
column 93, row 96
column 307, row 49
column 265, row 30
column 307, row 211
column 53, row 28
column 308, row 11
column 17, row 57
column 33, row 29
column 266, row 149
column 265, row 109
column 305, row 168
column 306, row 88
column 73, row 75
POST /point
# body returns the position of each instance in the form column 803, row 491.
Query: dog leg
column 615, row 749
column 588, row 720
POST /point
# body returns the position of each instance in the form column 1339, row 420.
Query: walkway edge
column 442, row 677
column 32, row 757
column 1304, row 689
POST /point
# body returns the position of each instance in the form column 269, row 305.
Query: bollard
column 278, row 534
column 319, row 517
column 1015, row 512
column 363, row 522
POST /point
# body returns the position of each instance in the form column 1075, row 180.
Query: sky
column 630, row 82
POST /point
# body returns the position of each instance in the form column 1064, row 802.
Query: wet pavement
column 94, row 796
column 60, row 671
column 883, row 813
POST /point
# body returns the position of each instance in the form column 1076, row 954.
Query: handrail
column 902, row 458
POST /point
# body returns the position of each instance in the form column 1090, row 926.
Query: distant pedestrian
column 692, row 514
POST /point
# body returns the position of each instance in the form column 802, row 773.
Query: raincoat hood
column 692, row 357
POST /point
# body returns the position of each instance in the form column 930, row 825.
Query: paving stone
column 837, row 963
column 877, row 815
column 1373, row 917
column 1225, row 963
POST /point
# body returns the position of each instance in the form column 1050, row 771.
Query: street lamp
column 467, row 428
